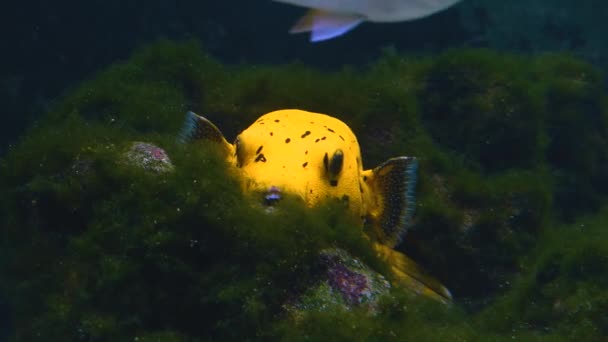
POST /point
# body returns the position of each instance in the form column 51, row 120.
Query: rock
column 345, row 283
column 149, row 157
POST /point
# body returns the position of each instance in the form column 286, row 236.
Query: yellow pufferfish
column 317, row 157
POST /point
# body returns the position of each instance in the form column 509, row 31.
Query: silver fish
column 328, row 19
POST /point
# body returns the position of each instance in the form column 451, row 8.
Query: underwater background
column 113, row 231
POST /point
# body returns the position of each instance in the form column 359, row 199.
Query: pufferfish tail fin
column 393, row 184
column 197, row 128
column 408, row 273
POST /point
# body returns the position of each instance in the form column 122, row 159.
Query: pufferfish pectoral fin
column 393, row 186
column 198, row 128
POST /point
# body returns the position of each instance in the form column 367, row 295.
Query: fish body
column 328, row 19
column 317, row 157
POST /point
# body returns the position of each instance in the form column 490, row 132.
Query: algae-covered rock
column 346, row 282
column 149, row 157
column 482, row 104
column 565, row 291
column 96, row 248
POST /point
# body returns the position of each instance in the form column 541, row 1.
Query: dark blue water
column 49, row 47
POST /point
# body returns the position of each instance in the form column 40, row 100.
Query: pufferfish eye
column 333, row 166
column 336, row 162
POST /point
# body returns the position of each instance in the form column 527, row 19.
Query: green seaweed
column 482, row 104
column 564, row 288
column 510, row 147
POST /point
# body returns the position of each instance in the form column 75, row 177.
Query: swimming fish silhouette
column 317, row 157
column 328, row 19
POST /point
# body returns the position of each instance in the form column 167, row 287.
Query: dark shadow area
column 50, row 47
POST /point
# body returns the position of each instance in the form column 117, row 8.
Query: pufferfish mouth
column 272, row 196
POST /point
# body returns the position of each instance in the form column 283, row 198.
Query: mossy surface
column 564, row 288
column 510, row 147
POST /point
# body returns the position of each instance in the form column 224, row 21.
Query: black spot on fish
column 326, row 162
column 305, row 134
column 333, row 182
column 323, row 138
column 341, row 138
column 306, row 152
column 287, row 140
column 276, row 120
column 259, row 150
column 331, row 130
column 260, row 158
column 261, row 123
column 304, row 165
column 317, row 140
column 271, row 133
column 312, row 122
